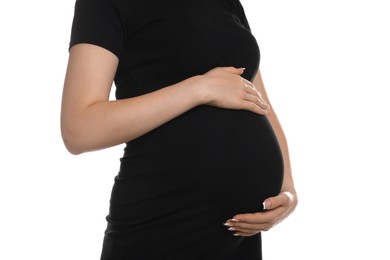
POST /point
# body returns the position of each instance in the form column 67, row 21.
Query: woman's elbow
column 71, row 145
column 72, row 141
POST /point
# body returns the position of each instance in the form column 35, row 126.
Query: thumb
column 283, row 198
column 234, row 70
column 271, row 203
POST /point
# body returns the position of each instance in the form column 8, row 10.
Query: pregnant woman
column 206, row 167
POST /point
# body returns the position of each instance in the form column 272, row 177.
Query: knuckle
column 253, row 106
column 240, row 104
column 243, row 94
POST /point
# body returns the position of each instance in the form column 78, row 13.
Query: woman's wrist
column 199, row 90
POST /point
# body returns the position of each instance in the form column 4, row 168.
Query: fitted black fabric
column 179, row 183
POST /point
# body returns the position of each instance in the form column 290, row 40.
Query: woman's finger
column 245, row 226
column 256, row 100
column 234, row 70
column 250, row 84
column 284, row 198
column 251, row 106
column 248, row 230
column 251, row 231
column 252, row 90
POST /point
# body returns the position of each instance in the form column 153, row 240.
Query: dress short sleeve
column 98, row 22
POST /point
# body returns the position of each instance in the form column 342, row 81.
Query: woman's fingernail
column 236, row 234
column 232, row 229
column 234, row 220
column 266, row 204
column 227, row 224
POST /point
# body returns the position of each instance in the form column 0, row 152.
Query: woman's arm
column 89, row 121
column 279, row 207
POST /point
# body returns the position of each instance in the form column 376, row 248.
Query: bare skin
column 90, row 121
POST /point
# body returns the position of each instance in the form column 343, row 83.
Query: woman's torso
column 179, row 183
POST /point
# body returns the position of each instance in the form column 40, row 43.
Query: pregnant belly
column 225, row 160
column 180, row 182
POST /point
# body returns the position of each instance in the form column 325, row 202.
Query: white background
column 326, row 68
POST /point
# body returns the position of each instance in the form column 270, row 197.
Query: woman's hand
column 224, row 87
column 276, row 210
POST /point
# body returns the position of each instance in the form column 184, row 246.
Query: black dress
column 179, row 183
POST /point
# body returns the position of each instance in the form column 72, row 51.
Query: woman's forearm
column 108, row 123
